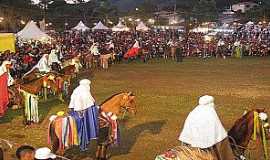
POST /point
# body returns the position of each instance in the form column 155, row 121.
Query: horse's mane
column 106, row 100
column 240, row 129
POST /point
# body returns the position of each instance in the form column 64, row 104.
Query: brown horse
column 104, row 60
column 241, row 133
column 116, row 104
column 34, row 74
column 68, row 70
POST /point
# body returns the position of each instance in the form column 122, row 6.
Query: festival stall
column 7, row 42
column 120, row 27
column 100, row 26
column 81, row 27
column 32, row 32
column 142, row 27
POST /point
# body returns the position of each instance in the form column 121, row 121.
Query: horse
column 173, row 53
column 34, row 74
column 15, row 98
column 119, row 103
column 74, row 61
column 243, row 129
column 104, row 60
column 68, row 70
column 87, row 60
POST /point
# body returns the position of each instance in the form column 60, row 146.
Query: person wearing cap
column 25, row 152
column 85, row 112
column 44, row 153
column 203, row 129
column 5, row 81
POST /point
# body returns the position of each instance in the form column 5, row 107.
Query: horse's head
column 128, row 102
column 252, row 125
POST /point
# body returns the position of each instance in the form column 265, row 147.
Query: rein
column 257, row 127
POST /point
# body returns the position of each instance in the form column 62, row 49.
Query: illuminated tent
column 81, row 27
column 120, row 27
column 100, row 26
column 142, row 27
column 32, row 32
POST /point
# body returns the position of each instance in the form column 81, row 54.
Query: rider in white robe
column 85, row 112
column 53, row 58
column 203, row 129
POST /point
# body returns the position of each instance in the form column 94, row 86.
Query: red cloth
column 27, row 59
column 132, row 52
column 4, row 98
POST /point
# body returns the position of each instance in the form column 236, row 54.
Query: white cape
column 203, row 128
column 81, row 98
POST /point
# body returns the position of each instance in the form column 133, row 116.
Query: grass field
column 165, row 93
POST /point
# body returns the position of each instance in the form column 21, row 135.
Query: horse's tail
column 53, row 139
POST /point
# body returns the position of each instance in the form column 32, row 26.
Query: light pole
column 44, row 4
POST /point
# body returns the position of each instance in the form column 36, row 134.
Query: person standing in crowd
column 5, row 81
column 25, row 152
column 85, row 111
column 203, row 129
column 220, row 49
column 179, row 53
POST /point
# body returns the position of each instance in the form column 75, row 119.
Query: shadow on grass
column 43, row 109
column 128, row 139
column 129, row 136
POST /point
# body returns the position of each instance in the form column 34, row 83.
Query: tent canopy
column 32, row 32
column 142, row 27
column 120, row 27
column 81, row 27
column 100, row 26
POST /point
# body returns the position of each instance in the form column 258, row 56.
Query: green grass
column 165, row 93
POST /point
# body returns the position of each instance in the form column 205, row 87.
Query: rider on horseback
column 53, row 61
column 85, row 112
column 203, row 129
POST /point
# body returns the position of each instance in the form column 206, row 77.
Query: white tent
column 32, row 32
column 142, row 27
column 100, row 26
column 81, row 27
column 120, row 27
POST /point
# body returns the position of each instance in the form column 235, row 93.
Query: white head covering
column 3, row 69
column 203, row 128
column 44, row 153
column 81, row 97
column 53, row 57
